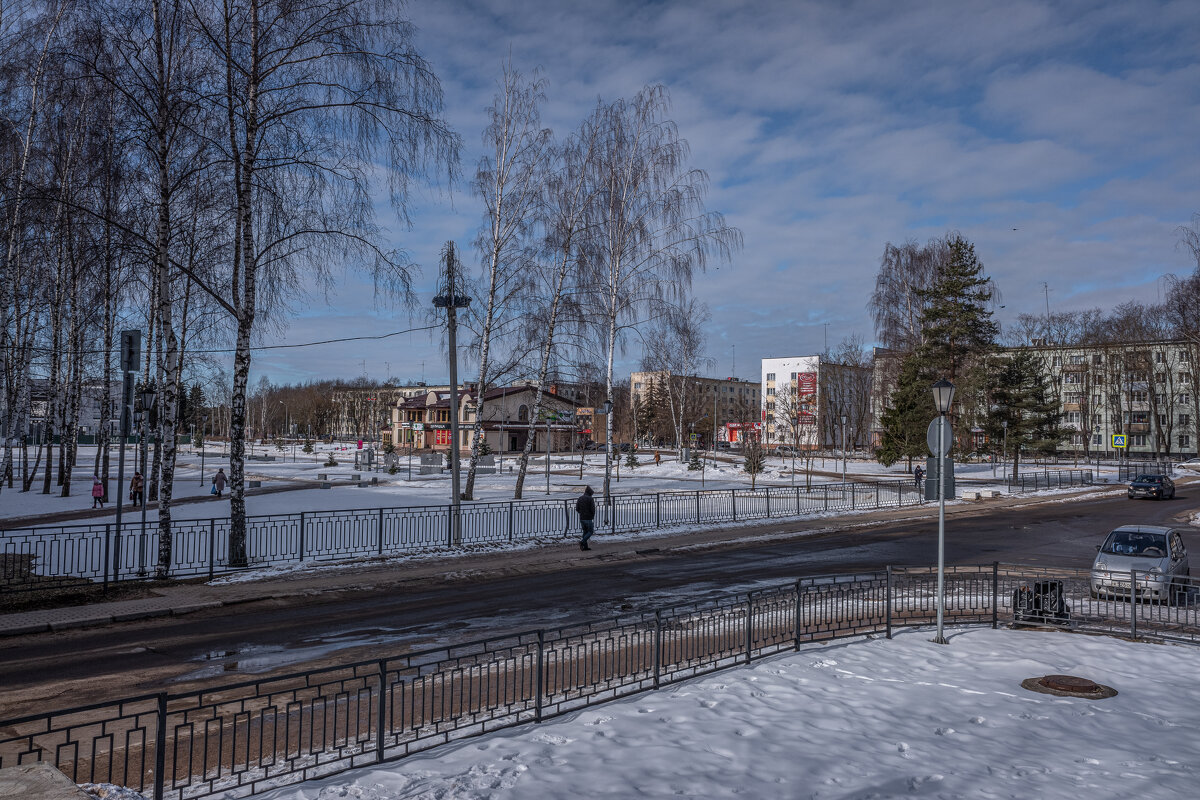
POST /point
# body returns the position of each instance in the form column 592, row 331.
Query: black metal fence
column 1128, row 470
column 48, row 558
column 1050, row 479
column 245, row 738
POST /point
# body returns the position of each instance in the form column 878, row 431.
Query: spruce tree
column 907, row 416
column 957, row 329
column 1021, row 395
column 755, row 459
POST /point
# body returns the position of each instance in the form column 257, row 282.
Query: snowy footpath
column 854, row 719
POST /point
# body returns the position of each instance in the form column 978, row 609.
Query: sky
column 1059, row 137
column 865, row 718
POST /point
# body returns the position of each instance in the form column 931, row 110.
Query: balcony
column 1138, row 427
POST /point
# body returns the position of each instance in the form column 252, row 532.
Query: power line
column 272, row 346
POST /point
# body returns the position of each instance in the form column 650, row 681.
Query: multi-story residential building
column 1146, row 391
column 721, row 404
column 810, row 402
column 423, row 421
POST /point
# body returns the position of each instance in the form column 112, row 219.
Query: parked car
column 722, row 445
column 624, row 447
column 1155, row 552
column 786, row 450
column 590, row 445
column 1160, row 487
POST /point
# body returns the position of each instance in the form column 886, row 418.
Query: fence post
column 510, row 519
column 301, row 536
column 995, row 594
column 1133, row 603
column 797, row 621
column 697, row 507
column 797, row 501
column 658, row 509
column 825, row 489
column 449, row 526
column 768, row 491
column 733, row 498
column 160, row 748
column 108, row 552
column 212, row 547
column 657, row 646
column 537, row 707
column 749, row 625
column 889, row 601
column 379, row 738
column 381, row 531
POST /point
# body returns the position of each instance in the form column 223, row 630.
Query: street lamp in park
column 1004, row 449
column 203, row 423
column 943, row 395
column 451, row 302
column 1096, row 431
column 145, row 403
column 606, row 408
column 843, row 451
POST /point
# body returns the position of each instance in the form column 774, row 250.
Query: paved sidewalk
column 182, row 599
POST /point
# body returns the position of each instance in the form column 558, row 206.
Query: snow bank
column 857, row 719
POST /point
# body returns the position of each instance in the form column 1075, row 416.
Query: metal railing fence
column 1050, row 479
column 245, row 738
column 1128, row 470
column 49, row 558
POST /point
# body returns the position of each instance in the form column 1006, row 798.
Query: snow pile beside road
column 871, row 717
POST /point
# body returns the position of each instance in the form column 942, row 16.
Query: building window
column 1076, row 359
column 637, row 385
column 1185, row 398
column 1097, row 439
column 1097, row 359
column 1058, row 361
column 793, row 376
column 1184, row 355
column 1185, row 440
column 1185, row 377
column 771, row 393
column 441, row 437
column 1073, row 377
column 1138, row 397
column 1160, row 357
column 1138, row 440
column 523, row 414
column 1072, row 417
column 1162, row 420
column 771, row 407
column 770, row 376
column 1185, row 419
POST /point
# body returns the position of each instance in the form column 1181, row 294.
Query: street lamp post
column 1096, row 431
column 452, row 301
column 203, row 423
column 943, row 395
column 146, row 401
column 1004, row 449
column 607, row 408
column 843, row 451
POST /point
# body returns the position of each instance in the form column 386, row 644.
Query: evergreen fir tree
column 1021, row 395
column 755, row 459
column 694, row 464
column 957, row 327
column 907, row 416
column 631, row 460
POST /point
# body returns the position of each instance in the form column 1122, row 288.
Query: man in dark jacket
column 585, row 507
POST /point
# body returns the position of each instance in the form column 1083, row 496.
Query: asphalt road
column 75, row 667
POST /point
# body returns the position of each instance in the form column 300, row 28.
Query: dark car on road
column 1160, row 487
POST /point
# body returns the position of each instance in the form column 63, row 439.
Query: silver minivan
column 1156, row 553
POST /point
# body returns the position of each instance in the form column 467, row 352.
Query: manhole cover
column 1068, row 686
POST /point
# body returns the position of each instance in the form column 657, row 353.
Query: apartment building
column 1146, row 391
column 811, row 402
column 723, row 404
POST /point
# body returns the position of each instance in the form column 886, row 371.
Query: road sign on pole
column 931, row 436
column 1118, row 440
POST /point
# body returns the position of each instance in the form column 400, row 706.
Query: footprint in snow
column 978, row 720
column 944, row 731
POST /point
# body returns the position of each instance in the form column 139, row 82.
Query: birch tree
column 648, row 226
column 509, row 182
column 560, row 266
column 317, row 99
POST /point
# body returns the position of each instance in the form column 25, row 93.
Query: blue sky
column 828, row 129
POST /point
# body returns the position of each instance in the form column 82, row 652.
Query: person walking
column 219, row 481
column 585, row 507
column 97, row 492
column 136, row 487
column 657, row 458
column 918, row 476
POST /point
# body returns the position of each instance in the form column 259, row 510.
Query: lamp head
column 943, row 395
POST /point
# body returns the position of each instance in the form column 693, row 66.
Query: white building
column 789, row 391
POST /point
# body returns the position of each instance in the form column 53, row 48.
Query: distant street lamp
column 452, row 301
column 203, row 422
column 146, row 402
column 943, row 395
column 843, row 451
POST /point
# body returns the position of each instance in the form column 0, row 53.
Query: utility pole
column 131, row 355
column 452, row 301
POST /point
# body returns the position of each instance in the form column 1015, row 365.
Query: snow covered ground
column 397, row 490
column 854, row 719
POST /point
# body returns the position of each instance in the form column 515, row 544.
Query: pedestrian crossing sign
column 1118, row 440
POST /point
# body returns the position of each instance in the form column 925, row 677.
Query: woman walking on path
column 219, row 482
column 97, row 492
column 136, row 489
